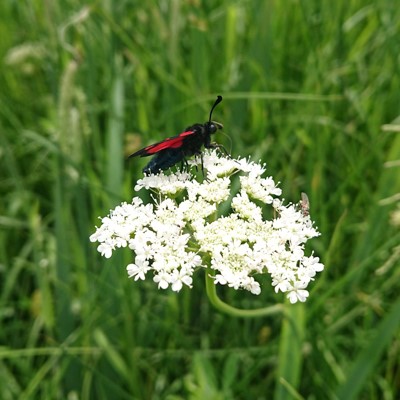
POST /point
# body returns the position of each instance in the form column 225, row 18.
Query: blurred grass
column 307, row 87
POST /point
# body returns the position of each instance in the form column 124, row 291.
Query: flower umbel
column 183, row 230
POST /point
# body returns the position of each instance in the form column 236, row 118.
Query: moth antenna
column 219, row 99
column 229, row 138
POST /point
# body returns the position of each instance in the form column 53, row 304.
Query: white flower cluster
column 171, row 238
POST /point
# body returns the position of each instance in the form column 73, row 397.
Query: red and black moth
column 178, row 148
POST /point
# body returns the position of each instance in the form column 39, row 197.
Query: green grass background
column 312, row 88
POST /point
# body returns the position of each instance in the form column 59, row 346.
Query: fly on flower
column 305, row 204
column 178, row 148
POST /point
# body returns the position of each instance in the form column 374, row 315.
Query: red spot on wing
column 165, row 144
column 170, row 143
column 187, row 133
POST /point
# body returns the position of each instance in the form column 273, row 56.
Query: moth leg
column 184, row 165
column 219, row 147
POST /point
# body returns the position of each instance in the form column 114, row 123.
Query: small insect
column 305, row 204
column 178, row 148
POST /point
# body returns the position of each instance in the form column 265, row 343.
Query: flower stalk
column 220, row 305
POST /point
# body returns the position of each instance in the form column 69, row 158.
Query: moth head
column 213, row 126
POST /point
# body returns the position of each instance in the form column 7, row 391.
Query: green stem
column 233, row 311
